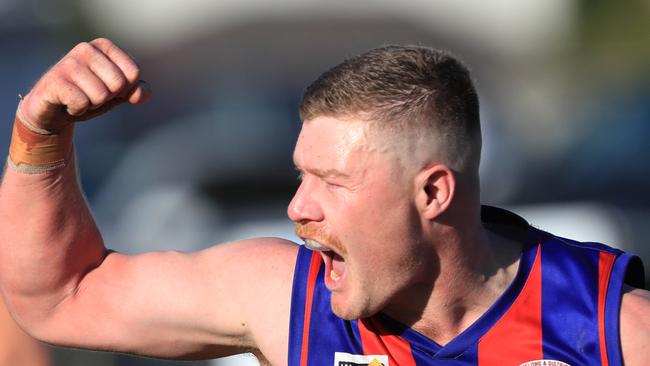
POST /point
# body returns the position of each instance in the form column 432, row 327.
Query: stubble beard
column 357, row 305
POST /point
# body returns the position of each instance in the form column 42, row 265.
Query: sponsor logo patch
column 544, row 363
column 347, row 359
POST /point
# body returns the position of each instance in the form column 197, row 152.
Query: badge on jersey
column 347, row 359
column 544, row 363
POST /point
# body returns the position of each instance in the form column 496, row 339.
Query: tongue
column 338, row 265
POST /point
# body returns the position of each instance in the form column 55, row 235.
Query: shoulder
column 270, row 253
column 260, row 268
column 260, row 275
column 635, row 326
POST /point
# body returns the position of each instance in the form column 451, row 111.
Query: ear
column 435, row 188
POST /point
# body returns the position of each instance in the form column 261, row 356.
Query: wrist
column 37, row 150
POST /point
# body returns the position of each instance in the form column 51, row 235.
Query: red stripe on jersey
column 376, row 340
column 517, row 337
column 314, row 267
column 605, row 264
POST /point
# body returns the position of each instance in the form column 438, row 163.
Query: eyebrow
column 323, row 173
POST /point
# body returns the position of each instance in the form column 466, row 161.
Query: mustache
column 318, row 233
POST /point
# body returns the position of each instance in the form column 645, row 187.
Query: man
column 406, row 268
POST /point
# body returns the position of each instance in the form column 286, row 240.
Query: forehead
column 330, row 141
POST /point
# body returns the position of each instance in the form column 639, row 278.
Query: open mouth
column 334, row 265
column 334, row 262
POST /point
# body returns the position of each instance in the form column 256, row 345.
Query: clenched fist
column 91, row 79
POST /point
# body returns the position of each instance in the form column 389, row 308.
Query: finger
column 140, row 93
column 94, row 88
column 108, row 72
column 90, row 114
column 74, row 99
column 120, row 58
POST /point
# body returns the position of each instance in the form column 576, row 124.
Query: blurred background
column 565, row 103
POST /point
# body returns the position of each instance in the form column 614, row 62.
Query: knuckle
column 104, row 44
column 66, row 68
column 83, row 48
column 70, row 62
column 102, row 41
column 100, row 96
column 78, row 105
column 83, row 104
column 116, row 83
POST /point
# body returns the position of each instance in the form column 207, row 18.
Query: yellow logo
column 348, row 359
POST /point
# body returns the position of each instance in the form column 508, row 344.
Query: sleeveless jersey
column 562, row 308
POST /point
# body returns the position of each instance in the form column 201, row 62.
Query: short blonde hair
column 406, row 91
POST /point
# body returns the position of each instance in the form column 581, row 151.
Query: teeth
column 314, row 245
column 335, row 276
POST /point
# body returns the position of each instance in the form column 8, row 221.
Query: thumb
column 139, row 93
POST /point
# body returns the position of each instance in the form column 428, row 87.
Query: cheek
column 376, row 218
column 380, row 232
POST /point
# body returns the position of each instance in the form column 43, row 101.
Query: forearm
column 49, row 239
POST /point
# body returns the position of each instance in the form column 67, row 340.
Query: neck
column 476, row 266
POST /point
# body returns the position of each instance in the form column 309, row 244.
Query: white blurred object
column 245, row 359
column 582, row 221
column 511, row 26
column 270, row 228
column 165, row 217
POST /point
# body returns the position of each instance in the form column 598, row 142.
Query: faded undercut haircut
column 423, row 96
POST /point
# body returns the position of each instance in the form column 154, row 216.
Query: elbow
column 27, row 318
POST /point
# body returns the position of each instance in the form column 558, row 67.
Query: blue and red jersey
column 561, row 308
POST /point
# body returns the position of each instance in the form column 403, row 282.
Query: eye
column 332, row 185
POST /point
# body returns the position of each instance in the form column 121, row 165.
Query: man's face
column 356, row 204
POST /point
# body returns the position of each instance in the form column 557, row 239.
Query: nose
column 304, row 206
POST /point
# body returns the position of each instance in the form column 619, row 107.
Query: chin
column 352, row 312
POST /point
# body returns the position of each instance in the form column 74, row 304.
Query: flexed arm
column 43, row 212
column 65, row 287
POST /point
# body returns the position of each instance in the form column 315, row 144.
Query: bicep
column 179, row 305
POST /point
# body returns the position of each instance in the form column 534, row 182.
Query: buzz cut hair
column 411, row 92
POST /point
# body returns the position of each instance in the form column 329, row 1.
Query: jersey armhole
column 304, row 280
column 627, row 269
